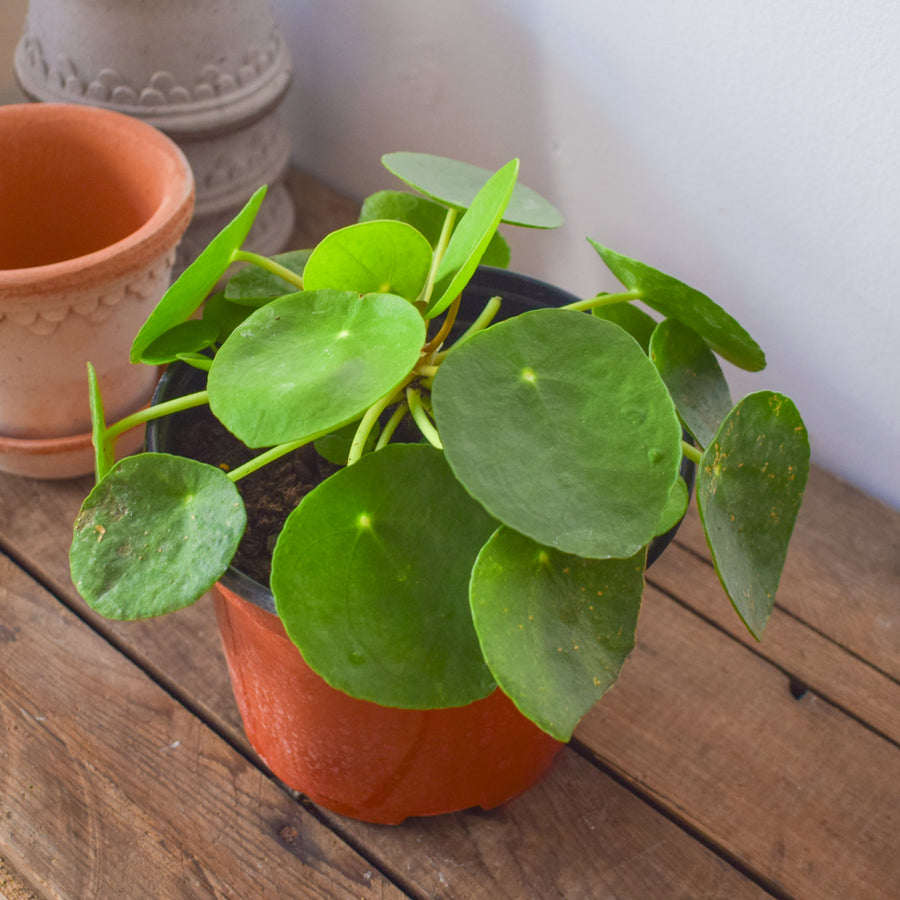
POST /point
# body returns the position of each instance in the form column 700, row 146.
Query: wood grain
column 842, row 575
column 579, row 834
column 109, row 788
column 792, row 788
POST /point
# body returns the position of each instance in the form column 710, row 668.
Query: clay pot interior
column 60, row 172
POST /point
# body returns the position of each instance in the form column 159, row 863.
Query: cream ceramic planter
column 209, row 73
column 94, row 204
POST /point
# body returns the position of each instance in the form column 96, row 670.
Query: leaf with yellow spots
column 555, row 629
column 750, row 484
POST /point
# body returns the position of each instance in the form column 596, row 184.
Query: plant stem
column 485, row 317
column 156, row 412
column 270, row 266
column 249, row 467
column 694, row 454
column 604, row 300
column 366, row 424
column 417, row 410
column 438, row 255
column 449, row 319
column 391, row 425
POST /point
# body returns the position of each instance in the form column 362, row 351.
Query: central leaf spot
column 528, row 375
column 364, row 521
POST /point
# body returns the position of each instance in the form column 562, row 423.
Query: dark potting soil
column 269, row 494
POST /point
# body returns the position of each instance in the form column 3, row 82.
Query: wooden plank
column 842, row 575
column 578, row 834
column 109, row 788
column 814, row 661
column 792, row 788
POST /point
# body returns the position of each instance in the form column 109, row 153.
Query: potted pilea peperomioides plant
column 463, row 580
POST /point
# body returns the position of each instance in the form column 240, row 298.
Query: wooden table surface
column 717, row 767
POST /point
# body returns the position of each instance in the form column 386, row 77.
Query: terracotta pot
column 209, row 73
column 94, row 203
column 363, row 760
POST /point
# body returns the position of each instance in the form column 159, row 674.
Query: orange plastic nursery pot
column 363, row 760
column 94, row 203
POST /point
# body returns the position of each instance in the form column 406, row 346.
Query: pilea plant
column 506, row 542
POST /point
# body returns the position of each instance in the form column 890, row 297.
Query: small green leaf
column 633, row 320
column 104, row 457
column 427, row 217
column 693, row 376
column 381, row 257
column 456, row 184
column 560, row 425
column 254, row 286
column 555, row 629
column 184, row 297
column 154, row 535
column 311, row 362
column 671, row 297
column 223, row 314
column 750, row 484
column 197, row 360
column 370, row 577
column 187, row 337
column 471, row 237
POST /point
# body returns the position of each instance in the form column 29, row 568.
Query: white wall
column 751, row 149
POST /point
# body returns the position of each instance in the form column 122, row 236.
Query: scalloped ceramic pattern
column 95, row 307
column 107, row 86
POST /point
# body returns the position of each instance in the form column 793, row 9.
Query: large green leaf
column 456, row 184
column 560, row 425
column 383, row 257
column 154, row 535
column 310, row 362
column 225, row 315
column 471, row 238
column 370, row 577
column 184, row 297
column 671, row 297
column 254, row 285
column 555, row 629
column 427, row 217
column 693, row 376
column 750, row 484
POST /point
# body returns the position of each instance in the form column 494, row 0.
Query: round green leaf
column 190, row 289
column 559, row 424
column 310, row 362
column 671, row 297
column 154, row 535
column 456, row 184
column 750, row 484
column 693, row 376
column 555, row 629
column 223, row 314
column 383, row 257
column 370, row 577
column 186, row 337
column 254, row 286
column 471, row 237
column 427, row 217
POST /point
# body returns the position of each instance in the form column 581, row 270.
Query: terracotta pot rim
column 44, row 446
column 162, row 230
